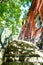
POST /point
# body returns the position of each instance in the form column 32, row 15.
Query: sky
column 26, row 8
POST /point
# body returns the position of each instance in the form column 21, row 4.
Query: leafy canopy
column 12, row 13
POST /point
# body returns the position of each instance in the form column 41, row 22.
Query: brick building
column 33, row 27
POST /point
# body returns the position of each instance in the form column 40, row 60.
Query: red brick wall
column 36, row 7
column 32, row 14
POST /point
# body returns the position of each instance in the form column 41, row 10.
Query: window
column 38, row 22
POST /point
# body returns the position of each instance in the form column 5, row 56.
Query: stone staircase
column 19, row 51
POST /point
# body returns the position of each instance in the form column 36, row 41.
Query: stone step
column 21, row 55
column 18, row 63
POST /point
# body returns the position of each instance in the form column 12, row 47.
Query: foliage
column 11, row 11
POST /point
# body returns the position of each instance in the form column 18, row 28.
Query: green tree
column 13, row 12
